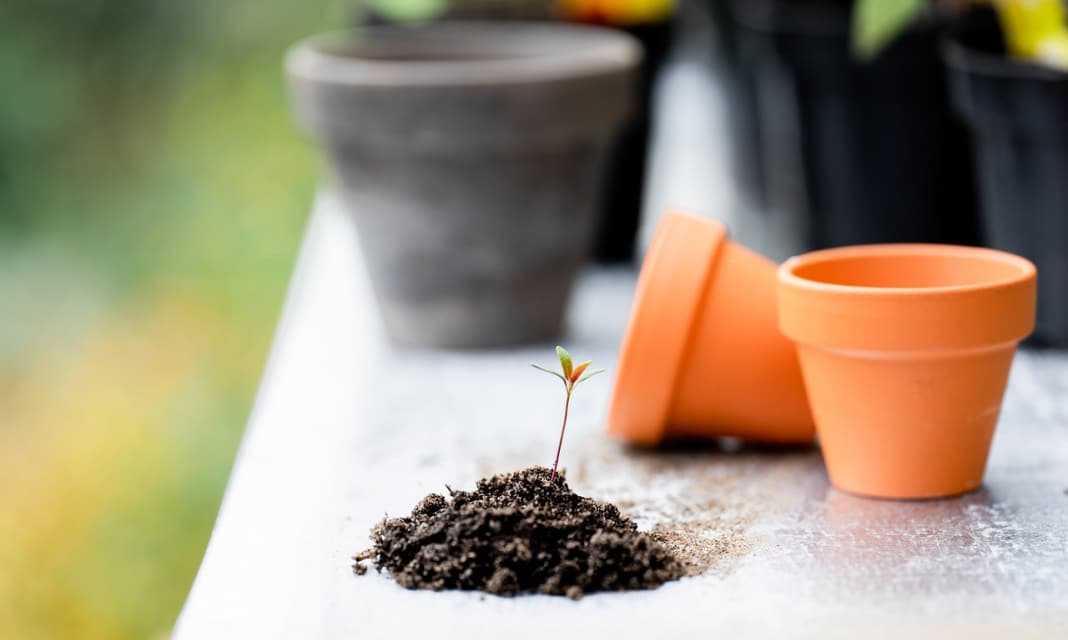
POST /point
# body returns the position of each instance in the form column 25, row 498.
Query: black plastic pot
column 1018, row 114
column 863, row 151
column 624, row 188
column 741, row 107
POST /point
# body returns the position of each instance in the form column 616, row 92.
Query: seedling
column 572, row 376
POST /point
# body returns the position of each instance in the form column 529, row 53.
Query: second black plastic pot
column 1018, row 114
column 624, row 188
column 870, row 150
column 740, row 104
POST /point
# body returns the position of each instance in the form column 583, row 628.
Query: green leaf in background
column 877, row 22
column 408, row 10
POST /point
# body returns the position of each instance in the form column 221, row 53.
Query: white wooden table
column 346, row 429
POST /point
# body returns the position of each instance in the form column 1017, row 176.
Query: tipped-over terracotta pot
column 703, row 356
column 906, row 351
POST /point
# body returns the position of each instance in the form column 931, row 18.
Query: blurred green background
column 152, row 198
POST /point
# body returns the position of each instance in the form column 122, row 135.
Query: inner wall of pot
column 459, row 44
column 910, row 271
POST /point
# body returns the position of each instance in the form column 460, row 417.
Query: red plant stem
column 560, row 444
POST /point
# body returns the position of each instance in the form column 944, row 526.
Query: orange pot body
column 906, row 351
column 703, row 355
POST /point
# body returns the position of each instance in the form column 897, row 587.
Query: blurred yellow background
column 152, row 198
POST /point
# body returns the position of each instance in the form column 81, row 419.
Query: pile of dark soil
column 518, row 533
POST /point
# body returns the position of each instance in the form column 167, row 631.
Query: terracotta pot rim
column 1025, row 269
column 659, row 318
column 483, row 53
column 981, row 297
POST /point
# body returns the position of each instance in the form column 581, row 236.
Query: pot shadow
column 725, row 445
column 678, row 454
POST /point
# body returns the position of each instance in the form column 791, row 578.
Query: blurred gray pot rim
column 461, row 53
column 441, row 87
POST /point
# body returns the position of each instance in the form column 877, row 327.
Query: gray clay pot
column 471, row 156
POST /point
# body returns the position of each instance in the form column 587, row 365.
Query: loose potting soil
column 519, row 533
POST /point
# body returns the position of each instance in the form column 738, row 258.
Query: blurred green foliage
column 152, row 197
column 876, row 23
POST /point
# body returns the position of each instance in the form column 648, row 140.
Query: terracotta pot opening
column 912, row 268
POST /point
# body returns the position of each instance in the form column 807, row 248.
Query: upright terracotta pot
column 906, row 351
column 703, row 355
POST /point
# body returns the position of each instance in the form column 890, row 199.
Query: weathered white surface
column 346, row 430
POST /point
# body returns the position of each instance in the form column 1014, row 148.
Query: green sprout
column 572, row 376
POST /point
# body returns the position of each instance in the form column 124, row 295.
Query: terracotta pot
column 906, row 351
column 703, row 356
